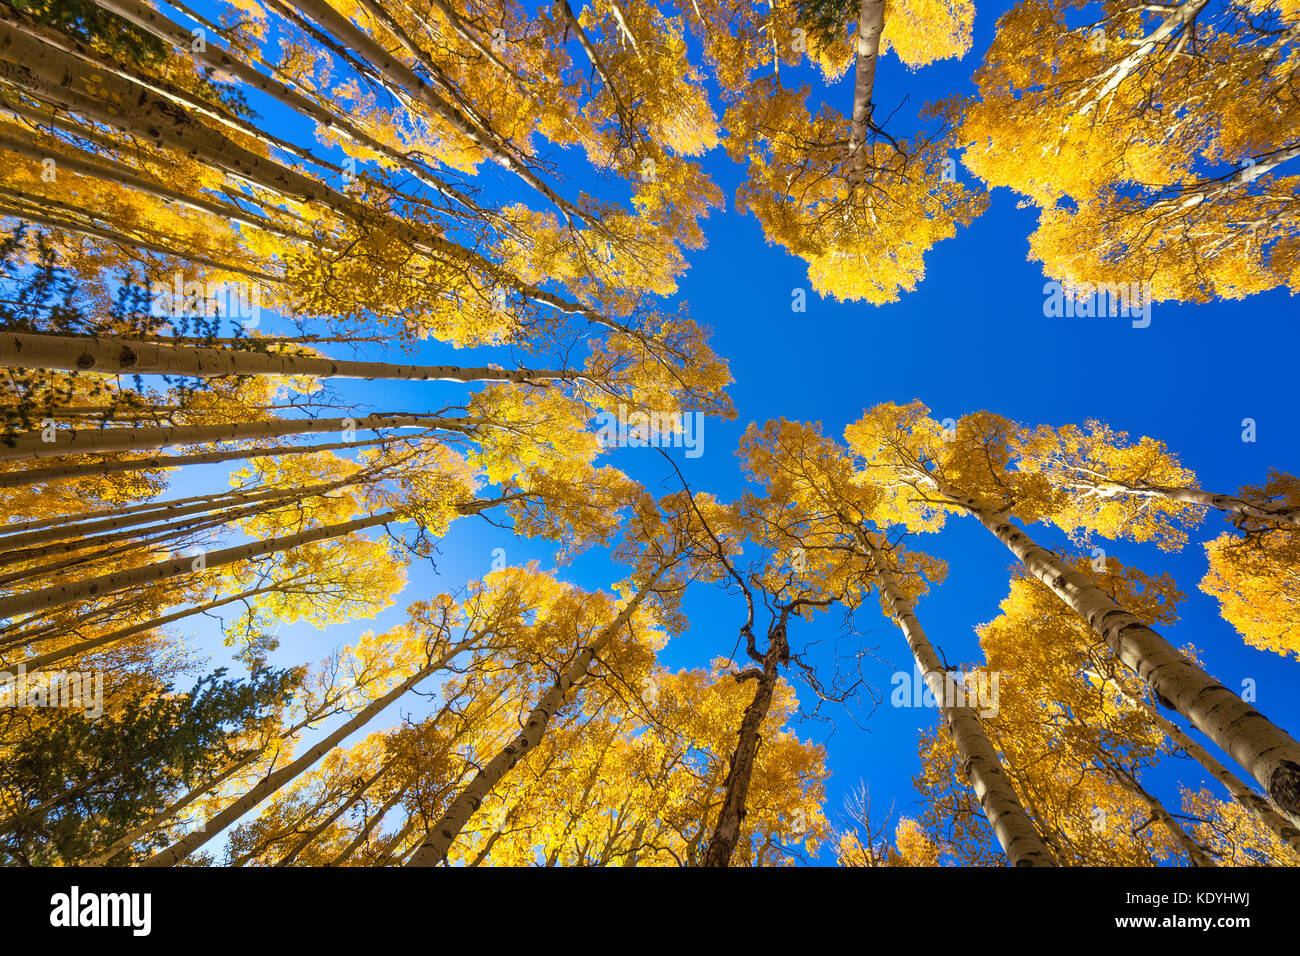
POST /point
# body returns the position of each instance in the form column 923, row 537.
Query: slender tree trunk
column 631, row 857
column 439, row 837
column 274, row 781
column 72, row 525
column 1266, row 751
column 100, row 64
column 403, row 78
column 369, row 826
column 115, row 356
column 89, row 441
column 398, row 839
column 107, row 584
column 155, row 23
column 84, row 647
column 871, row 24
column 157, row 538
column 1181, row 18
column 1196, row 854
column 108, row 170
column 24, row 546
column 328, row 706
column 1244, row 795
column 52, row 75
column 168, row 813
column 29, row 214
column 33, row 476
column 988, row 778
column 357, row 793
column 178, row 525
column 726, row 831
column 621, row 19
column 593, row 56
column 1230, row 504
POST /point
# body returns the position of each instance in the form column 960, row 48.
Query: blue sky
column 973, row 336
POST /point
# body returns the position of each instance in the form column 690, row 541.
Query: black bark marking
column 1284, row 786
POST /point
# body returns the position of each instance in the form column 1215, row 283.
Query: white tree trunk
column 404, row 78
column 160, row 26
column 1015, row 831
column 35, row 476
column 1231, row 504
column 107, row 584
column 1244, row 795
column 1266, row 751
column 88, row 441
column 115, row 356
column 1181, row 17
column 274, row 781
column 84, row 647
column 871, row 24
column 439, row 837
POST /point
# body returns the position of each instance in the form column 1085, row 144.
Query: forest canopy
column 395, row 473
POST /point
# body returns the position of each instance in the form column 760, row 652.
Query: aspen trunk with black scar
column 1249, row 800
column 1268, row 753
column 871, row 25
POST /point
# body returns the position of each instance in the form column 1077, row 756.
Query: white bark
column 33, row 476
column 159, row 518
column 404, row 78
column 119, row 356
column 86, row 441
column 160, row 26
column 1244, row 795
column 1266, row 751
column 1113, row 76
column 108, row 170
column 107, row 584
column 439, row 837
column 51, row 75
column 274, row 781
column 871, row 25
column 1231, row 504
column 43, row 661
column 1015, row 831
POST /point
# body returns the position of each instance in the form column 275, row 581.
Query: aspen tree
column 817, row 505
column 903, row 447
